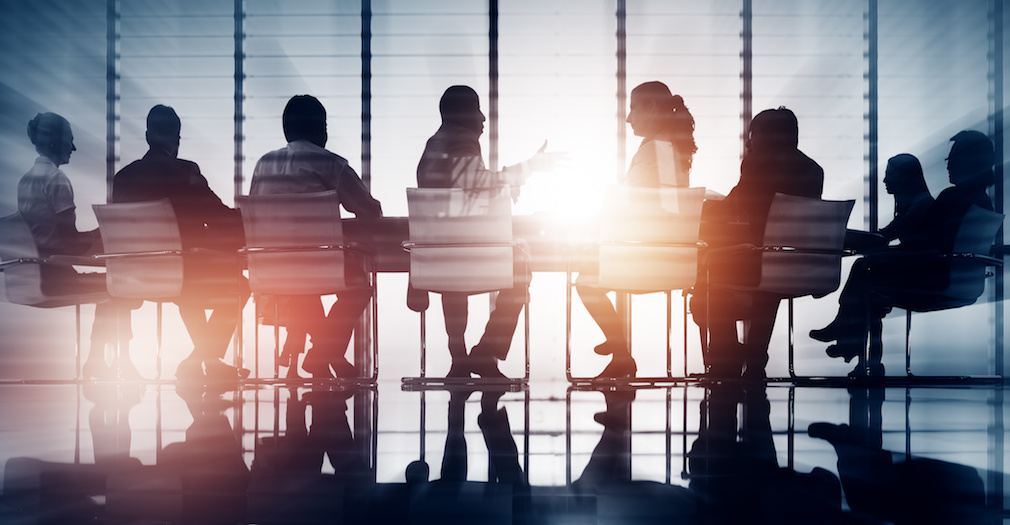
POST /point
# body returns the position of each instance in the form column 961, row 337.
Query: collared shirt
column 43, row 193
column 452, row 159
column 303, row 167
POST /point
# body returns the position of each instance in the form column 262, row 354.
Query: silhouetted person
column 734, row 468
column 46, row 202
column 305, row 166
column 208, row 461
column 212, row 278
column 970, row 165
column 880, row 489
column 610, row 462
column 452, row 159
column 663, row 159
column 772, row 164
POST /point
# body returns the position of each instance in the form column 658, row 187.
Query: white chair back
column 649, row 239
column 301, row 239
column 22, row 281
column 135, row 232
column 460, row 241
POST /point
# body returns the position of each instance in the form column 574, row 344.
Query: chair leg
column 77, row 341
column 908, row 343
column 424, row 342
column 568, row 324
column 526, row 332
column 157, row 330
column 791, row 338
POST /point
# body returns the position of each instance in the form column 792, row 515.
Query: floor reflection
column 304, row 453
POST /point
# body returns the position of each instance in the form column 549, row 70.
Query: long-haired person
column 663, row 159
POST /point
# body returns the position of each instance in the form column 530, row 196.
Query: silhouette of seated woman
column 46, row 202
column 663, row 159
column 970, row 165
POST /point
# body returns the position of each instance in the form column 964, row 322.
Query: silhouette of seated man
column 212, row 276
column 305, row 166
column 970, row 165
column 452, row 159
column 772, row 164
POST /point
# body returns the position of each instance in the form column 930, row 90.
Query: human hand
column 544, row 160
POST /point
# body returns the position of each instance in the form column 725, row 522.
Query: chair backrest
column 131, row 231
column 462, row 241
column 291, row 228
column 975, row 236
column 23, row 282
column 649, row 239
column 812, row 233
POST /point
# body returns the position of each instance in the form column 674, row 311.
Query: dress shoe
column 343, row 368
column 485, row 366
column 621, row 366
column 843, row 350
column 190, row 369
column 828, row 333
column 316, row 365
column 219, row 371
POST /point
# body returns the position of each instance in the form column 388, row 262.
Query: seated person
column 305, row 166
column 46, row 201
column 663, row 159
column 212, row 278
column 772, row 164
column 452, row 159
column 970, row 165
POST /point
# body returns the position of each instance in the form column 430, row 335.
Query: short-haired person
column 306, row 166
column 452, row 159
column 210, row 281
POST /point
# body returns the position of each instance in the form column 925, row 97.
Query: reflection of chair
column 800, row 252
column 21, row 266
column 461, row 242
column 648, row 243
column 143, row 253
column 968, row 271
column 295, row 245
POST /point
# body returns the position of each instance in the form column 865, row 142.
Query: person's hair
column 46, row 132
column 674, row 121
column 910, row 181
column 978, row 149
column 458, row 101
column 776, row 128
column 163, row 126
column 304, row 118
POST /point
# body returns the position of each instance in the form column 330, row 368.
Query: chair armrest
column 408, row 245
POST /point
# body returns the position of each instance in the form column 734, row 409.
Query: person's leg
column 497, row 338
column 603, row 312
column 455, row 311
column 719, row 312
column 338, row 328
column 762, row 321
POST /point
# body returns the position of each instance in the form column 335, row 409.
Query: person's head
column 971, row 158
column 903, row 176
column 51, row 135
column 163, row 129
column 305, row 119
column 460, row 105
column 657, row 113
column 774, row 129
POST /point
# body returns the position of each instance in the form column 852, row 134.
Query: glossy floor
column 304, row 453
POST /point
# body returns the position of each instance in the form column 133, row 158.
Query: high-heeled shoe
column 623, row 365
